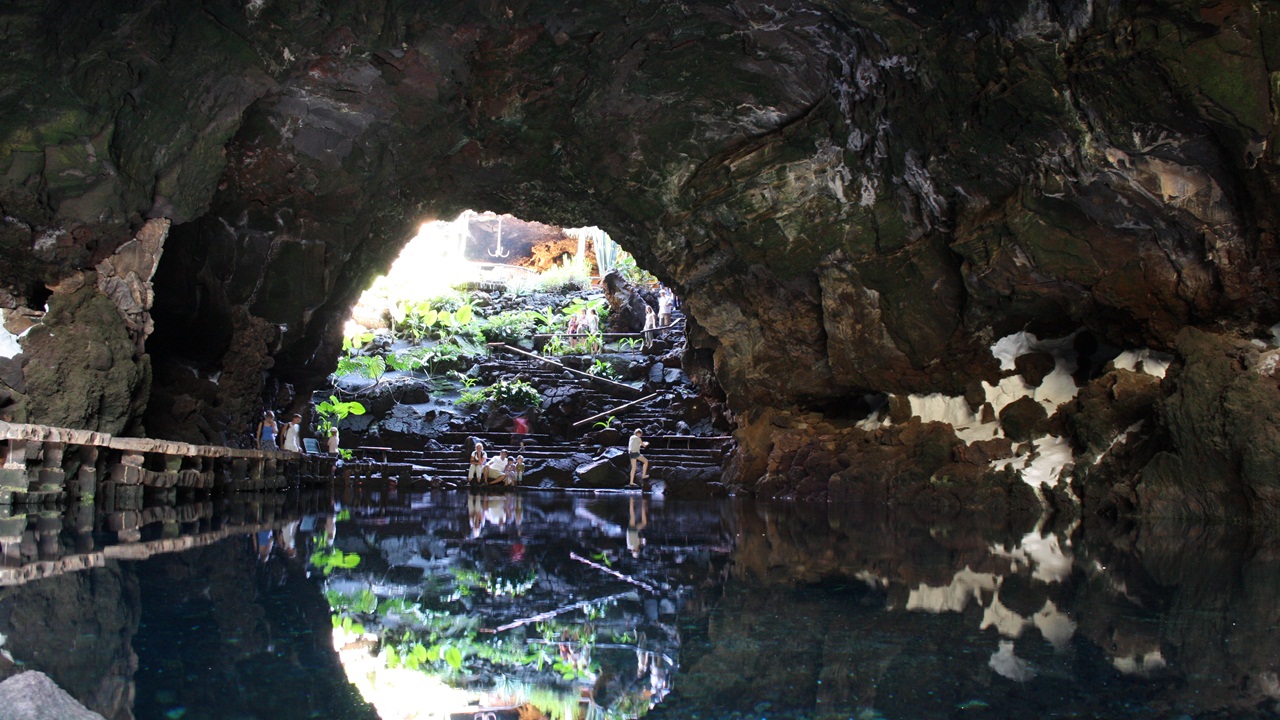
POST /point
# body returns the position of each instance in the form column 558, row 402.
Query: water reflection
column 536, row 606
column 551, row 606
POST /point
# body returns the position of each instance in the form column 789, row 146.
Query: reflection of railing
column 43, row 463
column 39, row 544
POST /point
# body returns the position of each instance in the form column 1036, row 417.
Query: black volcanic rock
column 849, row 198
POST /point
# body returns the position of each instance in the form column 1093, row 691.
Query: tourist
column 332, row 445
column 478, row 459
column 265, row 433
column 292, row 442
column 650, row 322
column 592, row 323
column 497, row 470
column 519, row 469
column 666, row 300
column 634, row 443
column 572, row 330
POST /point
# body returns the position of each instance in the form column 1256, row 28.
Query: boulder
column 1023, row 419
column 32, row 695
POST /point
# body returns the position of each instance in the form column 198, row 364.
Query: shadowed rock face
column 851, row 198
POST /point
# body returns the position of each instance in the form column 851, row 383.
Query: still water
column 554, row 606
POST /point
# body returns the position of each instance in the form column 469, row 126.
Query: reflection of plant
column 329, row 560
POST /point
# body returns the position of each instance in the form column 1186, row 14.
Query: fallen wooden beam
column 614, row 411
column 548, row 361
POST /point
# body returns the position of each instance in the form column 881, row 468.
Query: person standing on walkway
column 478, row 459
column 666, row 301
column 292, row 442
column 634, row 443
column 650, row 322
column 265, row 433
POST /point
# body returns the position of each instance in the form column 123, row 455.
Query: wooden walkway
column 50, row 464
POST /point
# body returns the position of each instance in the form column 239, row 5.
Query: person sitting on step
column 475, row 472
column 498, row 470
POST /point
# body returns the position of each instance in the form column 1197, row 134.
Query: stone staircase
column 672, row 454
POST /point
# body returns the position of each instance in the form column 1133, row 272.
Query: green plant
column 514, row 393
column 354, row 342
column 466, row 380
column 606, row 252
column 600, row 368
column 510, row 327
column 556, row 346
column 345, row 454
column 630, row 344
column 627, row 267
column 333, row 411
column 565, row 277
column 472, row 397
column 368, row 366
column 606, row 423
column 550, row 320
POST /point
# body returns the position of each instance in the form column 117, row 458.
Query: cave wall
column 851, row 198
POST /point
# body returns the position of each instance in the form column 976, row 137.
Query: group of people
column 499, row 469
column 662, row 319
column 584, row 322
column 270, row 436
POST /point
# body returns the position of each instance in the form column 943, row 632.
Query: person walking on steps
column 634, row 443
column 478, row 460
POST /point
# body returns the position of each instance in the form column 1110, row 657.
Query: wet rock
column 604, row 471
column 11, row 373
column 1108, row 406
column 1023, row 419
column 407, row 428
column 556, row 471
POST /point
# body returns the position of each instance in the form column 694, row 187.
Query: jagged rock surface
column 851, row 198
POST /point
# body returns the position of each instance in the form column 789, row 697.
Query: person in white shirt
column 634, row 443
column 496, row 470
column 292, row 431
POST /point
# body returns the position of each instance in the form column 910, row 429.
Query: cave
column 942, row 258
column 855, row 200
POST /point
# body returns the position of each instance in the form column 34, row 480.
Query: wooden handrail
column 562, row 366
column 611, row 411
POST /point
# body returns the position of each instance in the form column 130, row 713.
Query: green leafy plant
column 631, row 344
column 345, row 454
column 369, row 366
column 333, row 411
column 514, row 393
column 556, row 346
column 466, row 380
column 600, row 368
column 606, row 423
column 352, row 343
column 510, row 327
column 606, row 252
column 472, row 398
column 626, row 265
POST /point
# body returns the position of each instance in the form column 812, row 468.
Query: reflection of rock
column 55, row 625
column 33, row 696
